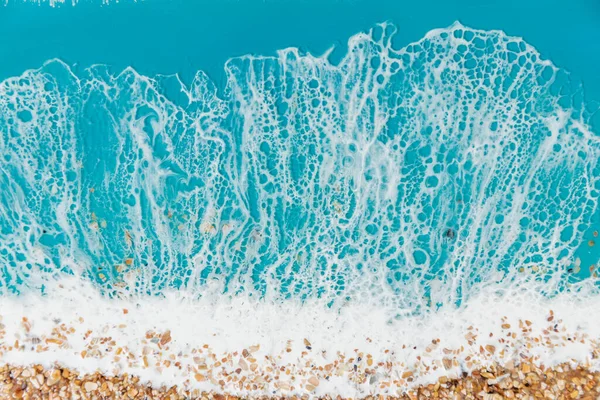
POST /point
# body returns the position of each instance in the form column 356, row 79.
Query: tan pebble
column 313, row 380
column 165, row 338
column 505, row 326
column 574, row 394
column 490, row 348
column 34, row 382
column 282, row 385
column 90, row 386
column 26, row 324
column 307, row 343
column 54, row 378
column 406, row 374
column 447, row 363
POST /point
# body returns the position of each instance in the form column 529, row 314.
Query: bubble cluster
column 402, row 178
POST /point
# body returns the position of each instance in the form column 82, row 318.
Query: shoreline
column 493, row 383
column 248, row 349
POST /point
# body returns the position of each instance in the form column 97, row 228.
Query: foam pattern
column 401, row 178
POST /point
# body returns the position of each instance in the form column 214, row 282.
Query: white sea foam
column 230, row 325
column 402, row 178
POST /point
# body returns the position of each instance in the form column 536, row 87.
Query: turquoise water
column 402, row 174
column 185, row 36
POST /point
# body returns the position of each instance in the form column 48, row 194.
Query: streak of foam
column 401, row 178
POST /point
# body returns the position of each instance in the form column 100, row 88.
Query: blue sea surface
column 299, row 149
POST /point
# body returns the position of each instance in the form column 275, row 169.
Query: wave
column 407, row 178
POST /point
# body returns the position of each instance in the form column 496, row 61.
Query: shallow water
column 450, row 163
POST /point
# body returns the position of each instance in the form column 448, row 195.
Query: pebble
column 562, row 382
column 90, row 386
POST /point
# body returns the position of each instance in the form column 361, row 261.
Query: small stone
column 447, row 363
column 313, row 380
column 90, row 386
column 574, row 394
column 255, row 348
column 54, row 378
column 200, row 377
column 165, row 338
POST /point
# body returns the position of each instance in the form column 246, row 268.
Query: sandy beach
column 72, row 346
column 525, row 381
